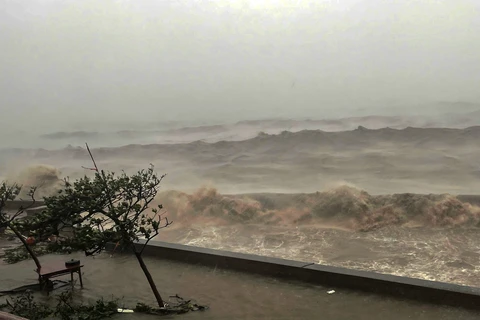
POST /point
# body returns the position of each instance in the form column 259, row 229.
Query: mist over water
column 310, row 195
column 88, row 65
column 336, row 132
column 116, row 133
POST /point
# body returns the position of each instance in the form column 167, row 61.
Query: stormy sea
column 393, row 195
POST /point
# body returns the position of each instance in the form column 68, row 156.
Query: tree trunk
column 149, row 278
column 25, row 244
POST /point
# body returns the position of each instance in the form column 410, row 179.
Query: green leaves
column 68, row 308
column 25, row 306
column 105, row 208
column 9, row 193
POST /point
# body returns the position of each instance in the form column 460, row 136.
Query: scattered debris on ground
column 23, row 304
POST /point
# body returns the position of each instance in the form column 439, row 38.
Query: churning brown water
column 432, row 237
column 406, row 231
column 451, row 255
column 230, row 295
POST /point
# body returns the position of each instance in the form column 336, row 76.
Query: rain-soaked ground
column 230, row 295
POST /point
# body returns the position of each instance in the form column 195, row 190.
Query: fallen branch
column 25, row 305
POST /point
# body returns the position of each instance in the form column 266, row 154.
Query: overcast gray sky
column 68, row 61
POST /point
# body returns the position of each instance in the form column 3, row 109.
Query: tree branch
column 167, row 223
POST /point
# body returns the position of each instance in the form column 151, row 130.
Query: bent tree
column 7, row 219
column 107, row 208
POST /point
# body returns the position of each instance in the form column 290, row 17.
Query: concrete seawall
column 330, row 277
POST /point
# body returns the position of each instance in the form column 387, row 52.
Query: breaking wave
column 346, row 207
column 46, row 179
column 343, row 207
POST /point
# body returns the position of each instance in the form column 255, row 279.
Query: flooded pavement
column 230, row 295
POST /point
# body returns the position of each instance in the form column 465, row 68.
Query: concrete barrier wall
column 330, row 277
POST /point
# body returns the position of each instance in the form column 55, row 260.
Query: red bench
column 45, row 273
